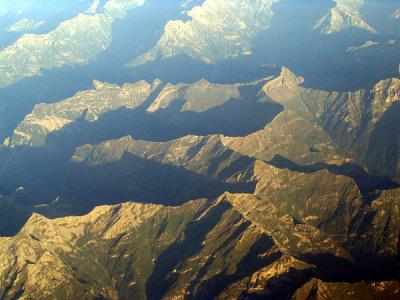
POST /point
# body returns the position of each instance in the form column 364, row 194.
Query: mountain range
column 195, row 149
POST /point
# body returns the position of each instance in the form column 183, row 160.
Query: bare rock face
column 64, row 45
column 267, row 282
column 217, row 30
column 322, row 199
column 189, row 189
column 279, row 226
column 290, row 136
column 362, row 119
column 73, row 42
column 116, row 252
column 195, row 103
column 325, row 203
column 200, row 155
column 345, row 15
column 90, row 105
column 380, row 230
column 197, row 97
column 361, row 123
column 286, row 89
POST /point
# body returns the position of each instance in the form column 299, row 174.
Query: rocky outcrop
column 280, row 224
column 121, row 252
column 197, row 97
column 345, row 15
column 380, row 231
column 169, row 111
column 202, row 155
column 290, row 136
column 217, row 30
column 320, row 200
column 361, row 122
column 73, row 42
column 25, row 25
column 89, row 105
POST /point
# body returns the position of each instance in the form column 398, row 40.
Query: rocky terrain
column 135, row 248
column 25, row 25
column 303, row 192
column 89, row 105
column 236, row 246
column 199, row 149
column 345, row 15
column 222, row 30
column 352, row 119
column 74, row 42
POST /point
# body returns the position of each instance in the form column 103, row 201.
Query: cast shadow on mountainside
column 322, row 58
column 236, row 117
column 13, row 214
column 129, row 39
column 368, row 184
column 81, row 187
column 25, row 166
column 229, row 71
column 129, row 36
column 368, row 267
column 20, row 97
column 384, row 143
column 254, row 260
column 196, row 232
column 138, row 179
column 54, row 85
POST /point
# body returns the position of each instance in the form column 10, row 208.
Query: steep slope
column 290, row 136
column 114, row 171
column 74, row 42
column 149, row 111
column 90, row 105
column 134, row 248
column 202, row 155
column 380, row 231
column 299, row 139
column 296, row 225
column 321, row 200
column 198, row 97
column 236, row 246
column 354, row 120
column 345, row 15
column 297, row 186
column 217, row 30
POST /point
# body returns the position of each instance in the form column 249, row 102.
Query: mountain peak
column 345, row 15
column 289, row 77
column 202, row 82
column 99, row 85
column 286, row 78
column 33, row 222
